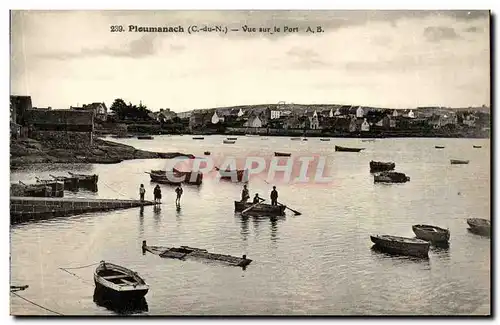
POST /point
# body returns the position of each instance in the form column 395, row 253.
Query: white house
column 253, row 122
column 337, row 112
column 365, row 126
column 395, row 113
column 215, row 118
column 314, row 121
column 240, row 113
column 411, row 114
column 275, row 114
column 360, row 112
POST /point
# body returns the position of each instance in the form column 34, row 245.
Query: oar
column 297, row 213
column 249, row 208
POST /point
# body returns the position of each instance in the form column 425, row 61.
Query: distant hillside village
column 79, row 124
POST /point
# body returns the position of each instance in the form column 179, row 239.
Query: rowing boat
column 282, row 154
column 390, row 177
column 380, row 166
column 241, row 175
column 431, row 233
column 458, row 162
column 176, row 177
column 119, row 281
column 261, row 209
column 402, row 245
column 346, row 149
column 479, row 226
column 228, row 141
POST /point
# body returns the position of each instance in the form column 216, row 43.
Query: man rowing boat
column 245, row 194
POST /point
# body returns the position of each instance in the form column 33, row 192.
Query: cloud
column 305, row 58
column 439, row 33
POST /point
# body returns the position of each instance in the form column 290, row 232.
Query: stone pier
column 34, row 208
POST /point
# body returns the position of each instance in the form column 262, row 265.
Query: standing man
column 157, row 194
column 274, row 196
column 244, row 194
column 178, row 191
column 142, row 191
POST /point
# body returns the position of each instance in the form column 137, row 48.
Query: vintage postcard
column 244, row 163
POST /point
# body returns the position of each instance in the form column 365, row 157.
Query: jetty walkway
column 35, row 208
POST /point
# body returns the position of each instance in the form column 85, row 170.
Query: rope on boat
column 34, row 303
column 65, row 269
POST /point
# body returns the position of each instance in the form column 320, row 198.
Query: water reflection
column 274, row 229
column 157, row 214
column 244, row 227
column 141, row 221
column 379, row 252
column 121, row 307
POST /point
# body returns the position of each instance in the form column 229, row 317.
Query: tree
column 130, row 111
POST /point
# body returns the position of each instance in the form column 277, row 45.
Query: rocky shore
column 28, row 151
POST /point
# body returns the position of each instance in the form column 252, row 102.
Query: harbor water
column 318, row 263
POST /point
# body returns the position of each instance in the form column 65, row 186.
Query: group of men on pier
column 157, row 194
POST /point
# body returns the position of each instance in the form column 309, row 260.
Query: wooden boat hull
column 86, row 180
column 261, row 209
column 232, row 139
column 345, row 149
column 390, row 177
column 56, row 187
column 241, row 175
column 282, row 154
column 477, row 147
column 479, row 226
column 431, row 233
column 145, row 137
column 324, row 139
column 198, row 138
column 170, row 179
column 379, row 166
column 459, row 162
column 402, row 245
column 207, row 153
column 439, row 147
column 118, row 282
column 186, row 252
column 228, row 142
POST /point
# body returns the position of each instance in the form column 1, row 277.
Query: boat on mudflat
column 324, row 139
column 198, row 138
column 390, row 177
column 119, row 282
column 207, row 153
column 228, row 141
column 402, row 245
column 477, row 147
column 439, row 147
column 346, row 149
column 145, row 137
column 380, row 166
column 232, row 139
column 241, row 175
column 282, row 154
column 479, row 226
column 261, row 209
column 458, row 162
column 431, row 233
column 295, row 139
column 176, row 177
column 186, row 252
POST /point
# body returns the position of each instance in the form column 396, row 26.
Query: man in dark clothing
column 274, row 196
column 244, row 194
column 179, row 192
column 257, row 199
column 142, row 191
column 157, row 194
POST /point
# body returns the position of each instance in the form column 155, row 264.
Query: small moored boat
column 380, row 166
column 346, row 149
column 176, row 177
column 86, row 179
column 402, row 245
column 261, row 209
column 57, row 187
column 431, row 233
column 119, row 281
column 477, row 147
column 458, row 162
column 439, row 147
column 282, row 154
column 368, row 140
column 228, row 141
column 390, row 177
column 207, row 153
column 232, row 138
column 295, row 139
column 324, row 139
column 241, row 175
column 145, row 137
column 479, row 226
column 198, row 138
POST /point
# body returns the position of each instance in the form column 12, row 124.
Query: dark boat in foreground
column 119, row 282
column 346, row 149
column 241, row 175
column 477, row 147
column 439, row 147
column 479, row 226
column 379, row 166
column 431, row 233
column 186, row 252
column 56, row 187
column 390, row 177
column 261, row 209
column 402, row 245
column 176, row 177
column 458, row 162
column 282, row 154
column 70, row 183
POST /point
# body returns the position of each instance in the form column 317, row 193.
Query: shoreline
column 28, row 151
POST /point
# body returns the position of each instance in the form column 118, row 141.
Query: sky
column 395, row 59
